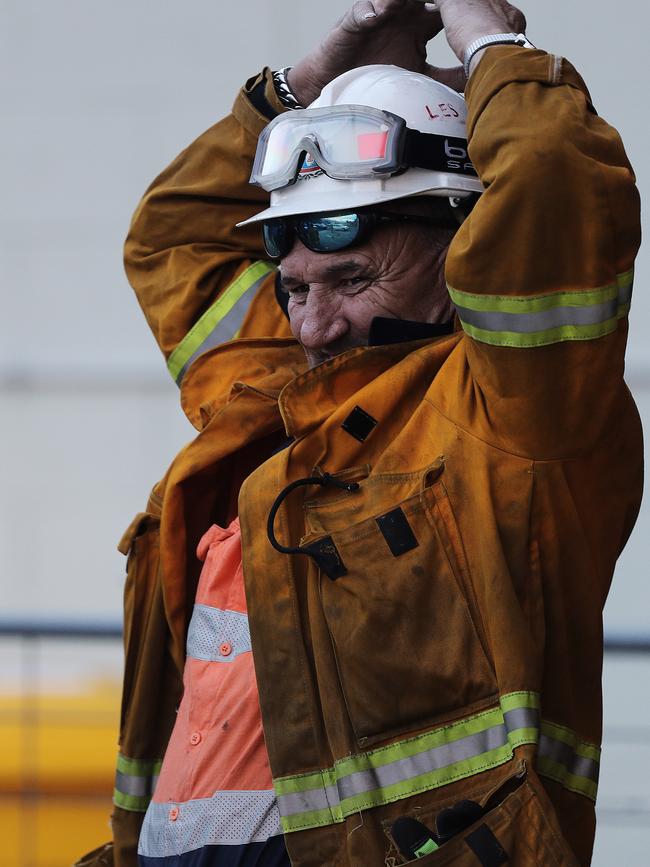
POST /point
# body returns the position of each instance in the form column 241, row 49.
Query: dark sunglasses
column 329, row 233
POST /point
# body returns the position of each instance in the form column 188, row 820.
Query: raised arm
column 194, row 273
column 541, row 273
column 200, row 281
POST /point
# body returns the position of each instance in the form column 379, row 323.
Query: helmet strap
column 438, row 153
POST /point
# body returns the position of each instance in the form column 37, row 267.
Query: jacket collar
column 314, row 395
column 264, row 365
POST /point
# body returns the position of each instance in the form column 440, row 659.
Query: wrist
column 472, row 34
column 283, row 90
column 463, row 27
column 303, row 84
column 477, row 49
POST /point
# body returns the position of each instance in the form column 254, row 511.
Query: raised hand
column 467, row 20
column 384, row 31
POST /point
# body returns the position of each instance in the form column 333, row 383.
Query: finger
column 453, row 77
column 417, row 7
column 422, row 17
column 516, row 18
column 431, row 23
column 388, row 7
column 365, row 14
column 362, row 13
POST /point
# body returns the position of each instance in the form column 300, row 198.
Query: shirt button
column 195, row 738
column 173, row 814
column 225, row 649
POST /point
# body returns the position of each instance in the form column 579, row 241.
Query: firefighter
column 416, row 462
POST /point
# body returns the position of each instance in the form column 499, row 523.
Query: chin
column 316, row 357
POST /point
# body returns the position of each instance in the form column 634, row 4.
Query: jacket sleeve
column 196, row 276
column 541, row 272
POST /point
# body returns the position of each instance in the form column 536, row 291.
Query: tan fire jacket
column 438, row 636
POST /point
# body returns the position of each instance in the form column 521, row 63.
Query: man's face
column 333, row 297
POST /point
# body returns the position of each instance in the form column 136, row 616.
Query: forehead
column 307, row 266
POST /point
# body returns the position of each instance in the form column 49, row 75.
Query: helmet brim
column 325, row 195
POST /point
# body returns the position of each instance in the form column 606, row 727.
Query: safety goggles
column 330, row 233
column 349, row 142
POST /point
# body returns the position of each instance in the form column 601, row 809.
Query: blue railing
column 50, row 628
column 615, row 642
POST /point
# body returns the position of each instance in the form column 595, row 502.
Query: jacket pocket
column 141, row 544
column 402, row 618
column 521, row 831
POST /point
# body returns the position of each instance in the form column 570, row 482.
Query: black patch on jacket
column 486, row 847
column 327, row 557
column 359, row 424
column 397, row 532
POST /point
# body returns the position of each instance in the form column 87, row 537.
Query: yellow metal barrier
column 57, row 757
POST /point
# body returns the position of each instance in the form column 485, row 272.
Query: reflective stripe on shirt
column 215, row 787
column 525, row 321
column 228, row 818
column 210, row 627
column 221, row 322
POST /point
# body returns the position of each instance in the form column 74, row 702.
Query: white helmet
column 425, row 105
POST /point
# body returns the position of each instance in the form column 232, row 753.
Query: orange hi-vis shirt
column 215, row 786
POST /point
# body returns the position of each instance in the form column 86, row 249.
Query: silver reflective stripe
column 423, row 763
column 226, row 328
column 229, row 818
column 129, row 784
column 521, row 718
column 211, row 627
column 135, row 781
column 543, row 320
column 222, row 321
column 527, row 321
column 303, row 802
column 625, row 292
column 402, row 770
column 563, row 754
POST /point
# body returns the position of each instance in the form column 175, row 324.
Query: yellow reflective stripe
column 540, row 338
column 400, row 770
column 567, row 760
column 434, row 759
column 569, row 737
column 138, row 767
column 526, row 321
column 222, row 321
column 135, row 781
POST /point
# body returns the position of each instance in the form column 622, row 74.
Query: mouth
column 316, row 358
column 320, row 356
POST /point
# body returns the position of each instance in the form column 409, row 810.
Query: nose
column 320, row 320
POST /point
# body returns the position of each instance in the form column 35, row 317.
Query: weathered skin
column 398, row 273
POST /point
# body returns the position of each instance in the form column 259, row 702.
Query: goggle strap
column 423, row 150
